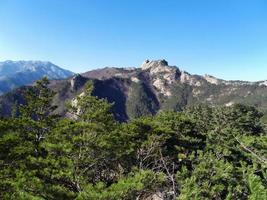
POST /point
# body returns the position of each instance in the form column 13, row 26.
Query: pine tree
column 22, row 157
column 76, row 147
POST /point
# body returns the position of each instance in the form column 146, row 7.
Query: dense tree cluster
column 199, row 153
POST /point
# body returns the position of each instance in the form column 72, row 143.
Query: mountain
column 18, row 73
column 150, row 88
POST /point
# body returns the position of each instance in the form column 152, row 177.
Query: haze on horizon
column 226, row 39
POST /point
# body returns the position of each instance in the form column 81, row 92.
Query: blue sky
column 224, row 38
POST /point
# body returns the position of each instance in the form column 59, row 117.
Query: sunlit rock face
column 162, row 75
column 193, row 80
column 147, row 89
column 263, row 83
column 161, row 67
column 211, row 79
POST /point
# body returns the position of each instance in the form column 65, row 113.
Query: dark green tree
column 21, row 140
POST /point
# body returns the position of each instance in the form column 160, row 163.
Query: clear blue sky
column 225, row 38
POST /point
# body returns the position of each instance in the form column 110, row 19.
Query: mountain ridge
column 14, row 74
column 208, row 77
column 152, row 87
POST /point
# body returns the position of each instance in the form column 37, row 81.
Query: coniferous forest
column 199, row 153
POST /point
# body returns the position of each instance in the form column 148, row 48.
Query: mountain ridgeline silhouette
column 14, row 74
column 146, row 90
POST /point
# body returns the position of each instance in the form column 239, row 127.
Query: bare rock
column 77, row 82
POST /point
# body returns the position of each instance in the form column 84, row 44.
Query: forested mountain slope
column 153, row 87
column 199, row 153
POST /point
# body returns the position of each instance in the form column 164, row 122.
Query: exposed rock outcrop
column 146, row 90
column 212, row 79
column 162, row 75
column 77, row 82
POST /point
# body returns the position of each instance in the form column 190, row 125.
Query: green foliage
column 200, row 153
column 131, row 187
column 180, row 98
column 257, row 190
column 22, row 153
column 141, row 102
column 90, row 108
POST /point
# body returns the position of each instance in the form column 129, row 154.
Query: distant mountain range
column 152, row 87
column 18, row 73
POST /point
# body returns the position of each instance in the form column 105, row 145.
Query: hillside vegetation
column 201, row 152
column 154, row 87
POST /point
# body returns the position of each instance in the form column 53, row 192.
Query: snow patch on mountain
column 17, row 73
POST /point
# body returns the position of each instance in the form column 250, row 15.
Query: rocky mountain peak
column 162, row 75
column 159, row 67
column 154, row 64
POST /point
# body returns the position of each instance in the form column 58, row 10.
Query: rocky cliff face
column 154, row 86
column 162, row 75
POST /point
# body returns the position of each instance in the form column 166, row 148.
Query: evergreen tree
column 21, row 139
column 200, row 153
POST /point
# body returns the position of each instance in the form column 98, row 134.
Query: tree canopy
column 199, row 153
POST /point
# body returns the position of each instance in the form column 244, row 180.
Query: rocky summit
column 152, row 87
